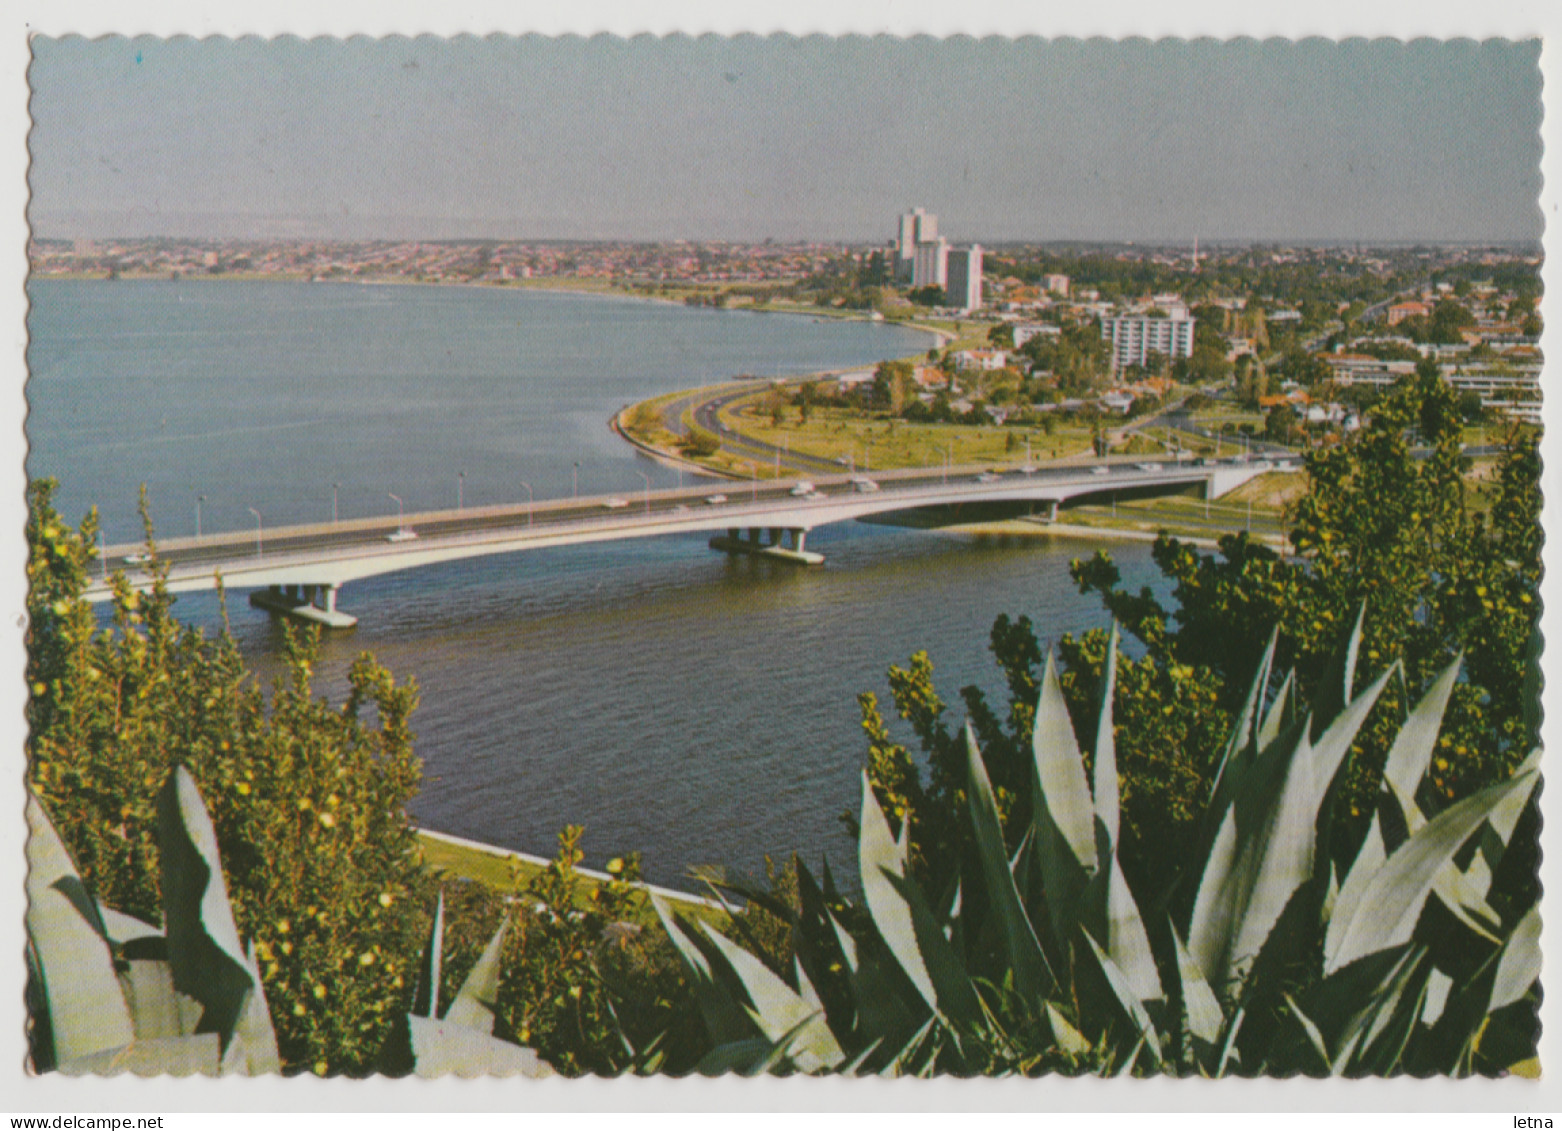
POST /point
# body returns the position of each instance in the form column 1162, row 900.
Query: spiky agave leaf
column 1063, row 812
column 1384, row 912
column 73, row 966
column 1104, row 779
column 1111, row 912
column 723, row 1016
column 1411, row 751
column 1032, row 976
column 1129, row 1007
column 1200, row 1007
column 442, row 1047
column 781, row 1013
column 1264, row 851
column 475, row 1001
column 208, row 961
column 904, row 921
column 425, row 1000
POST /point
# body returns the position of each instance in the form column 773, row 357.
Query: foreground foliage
column 308, row 801
column 109, row 993
column 308, row 805
column 1037, row 954
column 1398, row 528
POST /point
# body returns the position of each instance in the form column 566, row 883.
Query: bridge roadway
column 300, row 569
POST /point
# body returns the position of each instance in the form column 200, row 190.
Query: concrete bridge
column 299, row 570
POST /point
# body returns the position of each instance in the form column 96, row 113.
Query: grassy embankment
column 882, row 443
column 1258, row 506
column 499, row 870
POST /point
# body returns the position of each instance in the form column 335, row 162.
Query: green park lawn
column 881, row 443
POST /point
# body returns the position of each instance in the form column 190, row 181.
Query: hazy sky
column 791, row 138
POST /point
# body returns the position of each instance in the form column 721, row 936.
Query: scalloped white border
column 1284, row 1101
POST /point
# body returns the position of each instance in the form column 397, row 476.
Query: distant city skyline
column 792, row 139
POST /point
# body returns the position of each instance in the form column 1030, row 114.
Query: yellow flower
column 319, row 992
column 320, row 1068
column 385, row 899
column 615, row 866
column 327, row 820
column 283, row 926
column 243, row 788
column 299, row 1010
column 366, row 958
column 303, row 804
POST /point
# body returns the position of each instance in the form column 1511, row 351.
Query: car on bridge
column 137, row 559
column 715, row 500
column 1101, row 469
column 803, row 489
column 863, row 484
column 1148, row 466
column 615, row 503
column 402, row 535
column 987, row 477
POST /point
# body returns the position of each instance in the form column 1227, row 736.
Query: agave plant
column 1265, row 961
column 109, row 993
column 461, row 1040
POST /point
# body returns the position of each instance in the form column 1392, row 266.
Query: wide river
column 696, row 708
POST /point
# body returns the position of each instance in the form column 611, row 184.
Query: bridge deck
column 331, row 554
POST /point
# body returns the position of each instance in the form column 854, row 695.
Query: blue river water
column 693, row 707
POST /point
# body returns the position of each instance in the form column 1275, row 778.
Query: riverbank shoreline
column 1034, row 528
column 940, row 337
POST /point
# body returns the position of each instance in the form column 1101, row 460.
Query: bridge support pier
column 755, row 545
column 290, row 602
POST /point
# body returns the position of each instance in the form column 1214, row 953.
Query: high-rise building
column 916, row 227
column 1135, row 336
column 963, row 288
column 930, row 266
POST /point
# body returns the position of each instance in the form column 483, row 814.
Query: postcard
column 742, row 558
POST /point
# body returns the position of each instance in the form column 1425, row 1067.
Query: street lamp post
column 259, row 546
column 461, row 491
column 401, row 511
column 199, row 499
column 531, row 501
column 574, row 481
column 335, row 487
column 647, row 479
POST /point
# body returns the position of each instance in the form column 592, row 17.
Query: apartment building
column 963, row 282
column 1134, row 337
